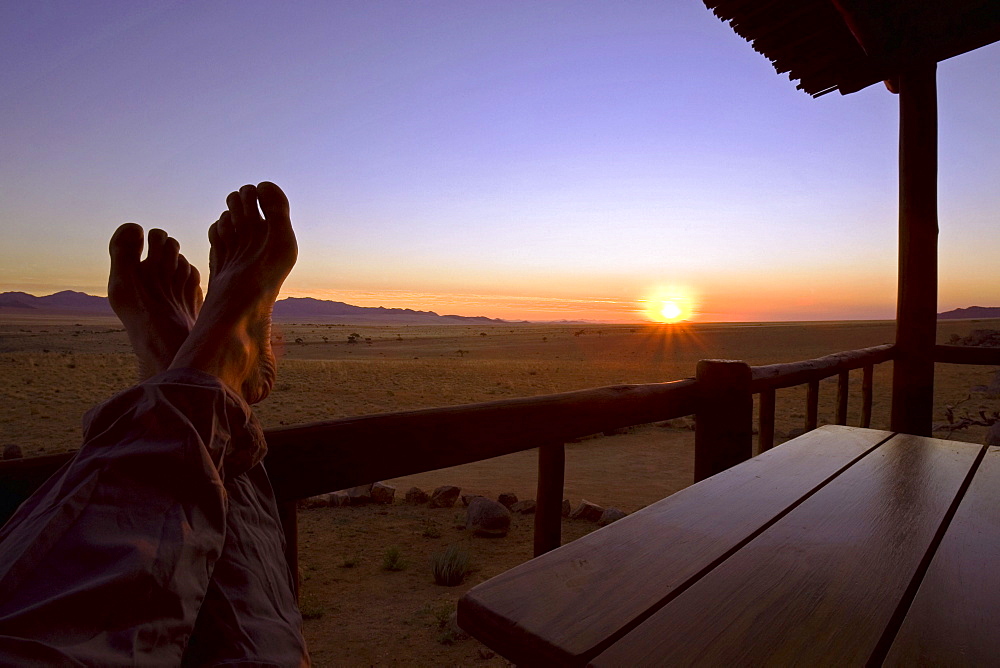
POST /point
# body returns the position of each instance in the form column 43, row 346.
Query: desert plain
column 358, row 613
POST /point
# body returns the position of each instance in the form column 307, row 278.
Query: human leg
column 250, row 600
column 110, row 561
column 107, row 564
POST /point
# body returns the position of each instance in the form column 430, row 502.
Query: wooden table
column 844, row 546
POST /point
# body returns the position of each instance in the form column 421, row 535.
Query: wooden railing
column 311, row 459
column 724, row 420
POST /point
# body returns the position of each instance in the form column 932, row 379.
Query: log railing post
column 812, row 405
column 765, row 420
column 288, row 512
column 548, row 506
column 867, row 383
column 723, row 434
column 843, row 389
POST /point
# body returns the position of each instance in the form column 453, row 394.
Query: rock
column 685, row 423
column 989, row 338
column 486, row 517
column 507, row 499
column 525, row 507
column 318, row 501
column 587, row 511
column 444, row 496
column 416, row 496
column 338, row 499
column 993, row 435
column 467, row 498
column 383, row 494
column 360, row 495
column 12, row 451
column 566, row 508
column 610, row 515
column 993, row 389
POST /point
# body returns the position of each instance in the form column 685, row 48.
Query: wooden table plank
column 564, row 607
column 955, row 617
column 819, row 586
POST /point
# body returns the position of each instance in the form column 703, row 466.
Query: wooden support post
column 765, row 421
column 812, row 405
column 548, row 506
column 867, row 383
column 916, row 303
column 843, row 389
column 288, row 512
column 723, row 434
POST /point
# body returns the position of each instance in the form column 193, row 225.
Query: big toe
column 125, row 248
column 273, row 202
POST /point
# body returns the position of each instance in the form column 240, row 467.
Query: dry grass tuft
column 451, row 566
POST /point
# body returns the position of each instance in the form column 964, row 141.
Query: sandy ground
column 358, row 613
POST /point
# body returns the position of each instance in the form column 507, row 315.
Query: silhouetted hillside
column 298, row 308
column 971, row 312
column 67, row 300
column 291, row 308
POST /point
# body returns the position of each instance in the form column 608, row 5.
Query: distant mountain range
column 297, row 308
column 69, row 302
column 970, row 313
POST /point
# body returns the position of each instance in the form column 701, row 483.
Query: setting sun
column 669, row 305
column 670, row 311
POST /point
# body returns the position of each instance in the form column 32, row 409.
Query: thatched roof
column 847, row 45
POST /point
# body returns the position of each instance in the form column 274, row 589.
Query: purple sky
column 516, row 159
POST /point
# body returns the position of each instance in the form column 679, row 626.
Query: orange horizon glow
column 748, row 301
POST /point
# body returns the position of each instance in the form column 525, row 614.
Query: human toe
column 237, row 216
column 248, row 196
column 251, row 209
column 192, row 289
column 179, row 279
column 273, row 202
column 171, row 254
column 126, row 248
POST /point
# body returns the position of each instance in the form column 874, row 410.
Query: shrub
column 393, row 560
column 313, row 612
column 451, row 566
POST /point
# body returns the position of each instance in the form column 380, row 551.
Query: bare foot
column 157, row 299
column 251, row 256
